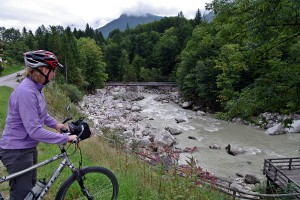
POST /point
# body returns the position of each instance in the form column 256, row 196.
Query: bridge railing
column 275, row 170
column 285, row 163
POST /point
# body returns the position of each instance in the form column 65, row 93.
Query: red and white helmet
column 35, row 59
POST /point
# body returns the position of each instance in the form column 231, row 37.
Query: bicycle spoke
column 99, row 183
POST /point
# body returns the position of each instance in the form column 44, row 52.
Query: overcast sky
column 33, row 13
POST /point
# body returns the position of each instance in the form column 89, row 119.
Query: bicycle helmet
column 35, row 59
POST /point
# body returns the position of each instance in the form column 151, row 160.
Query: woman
column 26, row 116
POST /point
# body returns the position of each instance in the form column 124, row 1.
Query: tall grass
column 4, row 96
column 137, row 179
column 11, row 69
column 5, row 93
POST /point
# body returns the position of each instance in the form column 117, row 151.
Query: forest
column 242, row 63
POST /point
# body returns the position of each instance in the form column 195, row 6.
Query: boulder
column 214, row 146
column 234, row 150
column 187, row 105
column 192, row 137
column 180, row 120
column 251, row 179
column 200, row 113
column 173, row 131
column 143, row 142
column 164, row 138
column 236, row 187
column 295, row 127
column 277, row 129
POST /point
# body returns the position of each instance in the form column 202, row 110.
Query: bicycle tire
column 100, row 182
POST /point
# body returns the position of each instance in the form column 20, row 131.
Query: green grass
column 11, row 69
column 137, row 179
column 5, row 93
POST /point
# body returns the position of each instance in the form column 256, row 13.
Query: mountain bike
column 85, row 182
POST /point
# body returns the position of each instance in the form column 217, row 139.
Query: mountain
column 127, row 20
column 209, row 17
column 132, row 21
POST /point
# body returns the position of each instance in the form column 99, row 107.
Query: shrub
column 58, row 100
column 72, row 92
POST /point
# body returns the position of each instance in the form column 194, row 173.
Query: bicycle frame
column 65, row 162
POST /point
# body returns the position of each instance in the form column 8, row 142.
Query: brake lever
column 67, row 119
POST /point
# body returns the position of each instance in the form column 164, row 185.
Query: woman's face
column 52, row 74
column 46, row 70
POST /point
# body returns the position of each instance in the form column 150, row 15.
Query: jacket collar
column 36, row 84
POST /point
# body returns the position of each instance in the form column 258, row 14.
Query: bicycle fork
column 80, row 180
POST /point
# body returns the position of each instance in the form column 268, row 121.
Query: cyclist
column 26, row 116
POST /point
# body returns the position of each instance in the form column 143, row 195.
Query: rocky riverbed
column 132, row 111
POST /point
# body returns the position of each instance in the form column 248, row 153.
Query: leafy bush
column 72, row 92
column 149, row 75
column 59, row 101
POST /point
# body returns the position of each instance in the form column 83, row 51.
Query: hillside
column 127, row 20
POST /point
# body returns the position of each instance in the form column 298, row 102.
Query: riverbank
column 141, row 115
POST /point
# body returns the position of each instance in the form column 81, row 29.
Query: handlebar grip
column 64, row 130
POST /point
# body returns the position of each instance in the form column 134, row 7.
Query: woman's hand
column 72, row 138
column 60, row 126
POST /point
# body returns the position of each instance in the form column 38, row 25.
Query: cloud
column 32, row 14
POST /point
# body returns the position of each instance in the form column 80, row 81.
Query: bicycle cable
column 77, row 147
column 74, row 151
column 80, row 162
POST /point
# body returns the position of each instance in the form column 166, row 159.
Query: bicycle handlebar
column 66, row 132
column 79, row 128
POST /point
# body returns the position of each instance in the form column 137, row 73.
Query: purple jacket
column 27, row 113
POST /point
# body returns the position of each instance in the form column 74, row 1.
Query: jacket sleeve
column 29, row 108
column 50, row 121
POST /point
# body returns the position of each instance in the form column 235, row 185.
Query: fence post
column 234, row 194
column 290, row 164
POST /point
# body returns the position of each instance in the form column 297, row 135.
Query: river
column 209, row 130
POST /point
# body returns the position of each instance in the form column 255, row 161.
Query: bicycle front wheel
column 98, row 182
